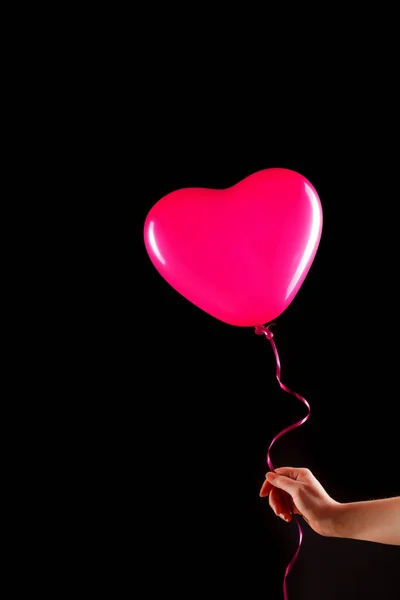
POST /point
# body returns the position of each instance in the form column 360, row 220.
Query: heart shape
column 242, row 253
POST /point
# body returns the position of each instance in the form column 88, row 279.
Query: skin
column 293, row 490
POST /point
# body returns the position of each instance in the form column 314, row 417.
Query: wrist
column 334, row 520
column 342, row 519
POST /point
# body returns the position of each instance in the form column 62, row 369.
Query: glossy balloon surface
column 242, row 253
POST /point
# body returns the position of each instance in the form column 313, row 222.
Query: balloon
column 240, row 254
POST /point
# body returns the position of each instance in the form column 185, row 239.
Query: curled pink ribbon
column 264, row 330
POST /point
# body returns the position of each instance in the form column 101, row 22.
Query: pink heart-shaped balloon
column 242, row 253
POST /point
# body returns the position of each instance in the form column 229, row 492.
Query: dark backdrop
column 168, row 412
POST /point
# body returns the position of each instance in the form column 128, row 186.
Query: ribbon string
column 265, row 330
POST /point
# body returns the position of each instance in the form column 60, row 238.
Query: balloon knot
column 261, row 330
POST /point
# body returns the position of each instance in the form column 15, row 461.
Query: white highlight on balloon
column 315, row 229
column 153, row 243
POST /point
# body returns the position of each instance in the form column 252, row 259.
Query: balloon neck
column 262, row 330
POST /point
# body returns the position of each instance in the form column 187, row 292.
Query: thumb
column 284, row 483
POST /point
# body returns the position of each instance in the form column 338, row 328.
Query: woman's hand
column 293, row 490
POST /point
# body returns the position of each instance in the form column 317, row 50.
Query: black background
column 163, row 415
column 208, row 404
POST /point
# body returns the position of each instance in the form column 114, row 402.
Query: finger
column 288, row 500
column 296, row 473
column 278, row 504
column 287, row 504
column 295, row 510
column 265, row 488
column 283, row 482
column 275, row 501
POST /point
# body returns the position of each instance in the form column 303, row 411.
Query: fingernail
column 282, row 516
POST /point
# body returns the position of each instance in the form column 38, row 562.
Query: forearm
column 372, row 520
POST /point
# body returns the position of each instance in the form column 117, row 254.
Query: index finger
column 265, row 488
column 287, row 471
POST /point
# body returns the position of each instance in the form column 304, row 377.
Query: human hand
column 293, row 490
